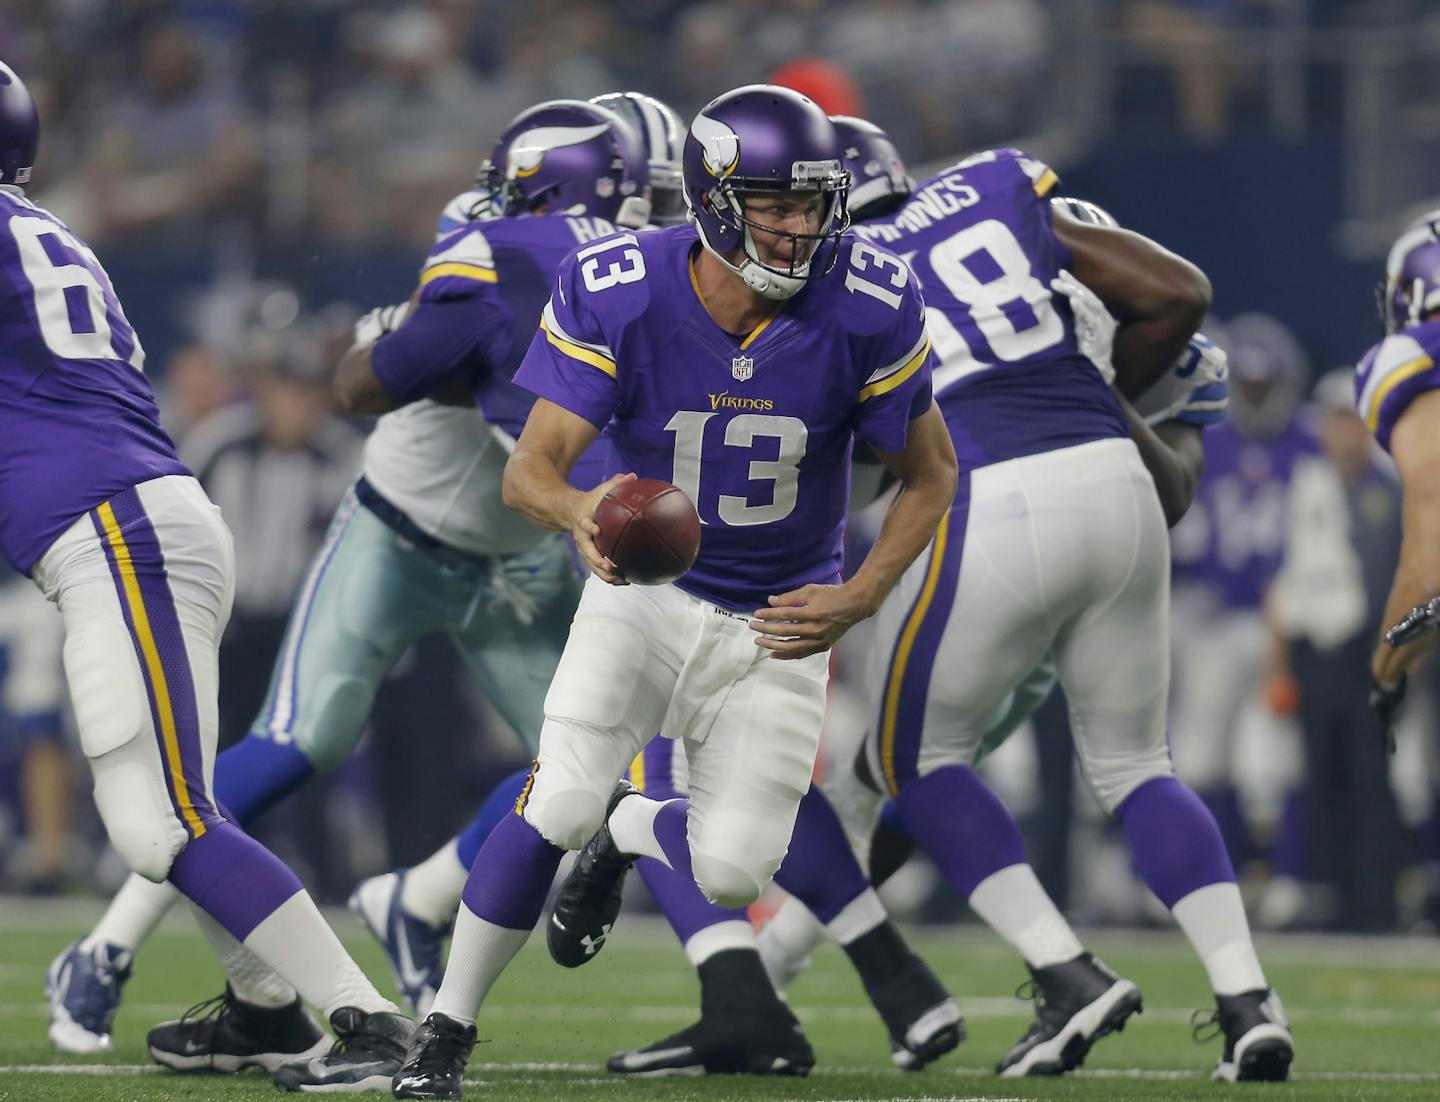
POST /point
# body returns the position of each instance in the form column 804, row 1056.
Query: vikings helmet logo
column 527, row 151
column 721, row 145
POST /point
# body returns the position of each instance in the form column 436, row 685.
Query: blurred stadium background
column 255, row 173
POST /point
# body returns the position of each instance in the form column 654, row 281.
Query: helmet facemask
column 809, row 256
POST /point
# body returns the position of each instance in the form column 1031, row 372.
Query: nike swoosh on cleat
column 655, row 1056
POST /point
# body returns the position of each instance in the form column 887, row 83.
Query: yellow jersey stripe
column 154, row 668
column 637, row 771
column 902, row 656
column 1394, row 379
column 1046, row 182
column 890, row 382
column 525, row 792
column 456, row 268
column 579, row 352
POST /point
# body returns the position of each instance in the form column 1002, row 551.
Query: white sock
column 295, row 941
column 1015, row 906
column 1213, row 918
column 795, row 930
column 432, row 888
column 632, row 825
column 133, row 914
column 252, row 980
column 733, row 933
column 861, row 915
column 479, row 952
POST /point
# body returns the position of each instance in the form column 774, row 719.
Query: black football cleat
column 589, row 899
column 1076, row 1003
column 435, row 1064
column 368, row 1051
column 735, row 1043
column 923, row 1020
column 1258, row 1044
column 226, row 1035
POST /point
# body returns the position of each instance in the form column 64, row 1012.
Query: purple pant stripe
column 915, row 677
column 659, row 760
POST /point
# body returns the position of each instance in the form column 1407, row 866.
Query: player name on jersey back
column 1011, row 379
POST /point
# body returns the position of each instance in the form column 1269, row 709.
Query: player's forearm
column 1415, row 583
column 357, row 388
column 1174, row 470
column 1415, row 445
column 535, row 487
column 910, row 524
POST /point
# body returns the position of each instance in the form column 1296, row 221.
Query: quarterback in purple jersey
column 1395, row 392
column 739, row 362
column 97, row 509
column 1054, row 497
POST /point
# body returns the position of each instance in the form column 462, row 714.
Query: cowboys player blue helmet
column 663, row 136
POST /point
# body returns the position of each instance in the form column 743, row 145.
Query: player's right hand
column 584, row 530
column 379, row 321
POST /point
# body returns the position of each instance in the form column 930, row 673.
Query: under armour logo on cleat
column 593, row 944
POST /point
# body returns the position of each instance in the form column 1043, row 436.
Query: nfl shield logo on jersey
column 742, row 367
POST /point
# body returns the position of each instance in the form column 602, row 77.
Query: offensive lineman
column 846, row 355
column 98, row 510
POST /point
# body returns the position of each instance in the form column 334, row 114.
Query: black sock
column 734, row 979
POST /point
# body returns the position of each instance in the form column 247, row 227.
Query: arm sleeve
column 897, row 389
column 443, row 338
column 570, row 361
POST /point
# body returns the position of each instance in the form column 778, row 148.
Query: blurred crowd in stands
column 240, row 129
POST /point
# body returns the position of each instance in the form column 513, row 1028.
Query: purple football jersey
column 482, row 288
column 1011, row 379
column 757, row 430
column 1233, row 537
column 78, row 423
column 1394, row 373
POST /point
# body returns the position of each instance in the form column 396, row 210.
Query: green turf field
column 1366, row 1016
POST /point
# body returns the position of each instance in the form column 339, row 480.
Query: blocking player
column 795, row 339
column 1056, row 546
column 421, row 543
column 1395, row 390
column 98, row 510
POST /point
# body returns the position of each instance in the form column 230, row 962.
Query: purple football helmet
column 576, row 158
column 763, row 140
column 1411, row 290
column 1268, row 372
column 663, row 136
column 19, row 129
column 878, row 180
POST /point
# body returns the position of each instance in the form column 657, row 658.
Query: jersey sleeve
column 570, row 361
column 1392, row 375
column 459, row 326
column 896, row 390
column 1042, row 177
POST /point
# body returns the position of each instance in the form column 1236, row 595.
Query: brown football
column 649, row 530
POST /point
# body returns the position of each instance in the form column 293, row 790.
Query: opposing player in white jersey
column 97, row 509
column 829, row 337
column 1055, row 547
column 421, row 544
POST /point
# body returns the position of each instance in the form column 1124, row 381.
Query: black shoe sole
column 1266, row 1062
column 940, row 1042
column 1078, row 1047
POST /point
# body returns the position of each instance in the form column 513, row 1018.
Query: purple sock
column 1174, row 841
column 962, row 825
column 684, row 907
column 820, row 869
column 1287, row 854
column 233, row 878
column 1223, row 804
column 498, row 804
column 511, row 875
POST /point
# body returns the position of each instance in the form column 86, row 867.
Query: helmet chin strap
column 760, row 279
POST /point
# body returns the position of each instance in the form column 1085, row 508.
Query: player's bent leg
column 921, row 1018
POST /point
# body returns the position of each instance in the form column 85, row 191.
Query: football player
column 796, row 339
column 97, row 509
column 421, row 544
column 1055, row 548
column 1395, row 387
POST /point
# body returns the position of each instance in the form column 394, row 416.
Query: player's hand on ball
column 808, row 620
column 584, row 530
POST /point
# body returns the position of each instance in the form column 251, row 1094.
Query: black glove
column 1385, row 703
